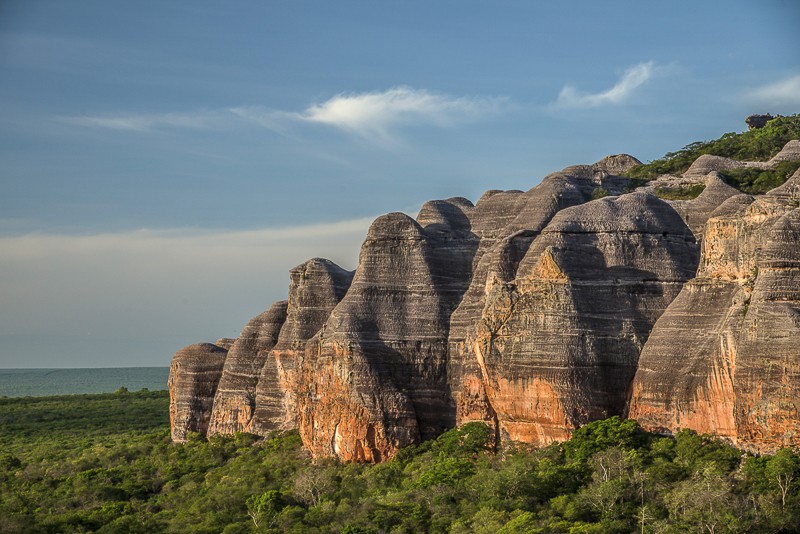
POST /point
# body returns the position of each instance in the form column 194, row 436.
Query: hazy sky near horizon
column 164, row 164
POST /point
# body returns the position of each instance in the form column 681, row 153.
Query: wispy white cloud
column 145, row 122
column 783, row 93
column 372, row 115
column 377, row 113
column 631, row 79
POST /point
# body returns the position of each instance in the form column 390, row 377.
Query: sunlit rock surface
column 535, row 312
column 725, row 356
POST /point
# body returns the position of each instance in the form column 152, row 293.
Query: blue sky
column 163, row 165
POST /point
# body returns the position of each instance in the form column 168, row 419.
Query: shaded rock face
column 723, row 357
column 695, row 212
column 558, row 345
column 316, row 287
column 194, row 374
column 235, row 399
column 374, row 378
column 533, row 311
column 504, row 241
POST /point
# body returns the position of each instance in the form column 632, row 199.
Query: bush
column 680, row 193
column 114, row 476
column 753, row 145
column 758, row 181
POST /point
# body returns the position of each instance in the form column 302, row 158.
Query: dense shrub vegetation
column 105, row 463
column 753, row 145
column 680, row 193
column 757, row 181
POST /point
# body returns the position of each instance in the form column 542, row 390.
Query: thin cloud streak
column 370, row 115
column 147, row 122
column 194, row 242
column 782, row 93
column 631, row 79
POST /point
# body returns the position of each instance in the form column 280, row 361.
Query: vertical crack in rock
column 235, row 399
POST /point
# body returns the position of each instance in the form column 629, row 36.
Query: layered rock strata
column 723, row 359
column 504, row 241
column 235, row 399
column 194, row 375
column 695, row 212
column 535, row 312
column 374, row 378
column 558, row 344
column 316, row 287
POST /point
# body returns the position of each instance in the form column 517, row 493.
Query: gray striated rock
column 722, row 358
column 789, row 152
column 235, row 399
column 374, row 378
column 501, row 248
column 695, row 212
column 194, row 374
column 617, row 164
column 225, row 342
column 707, row 163
column 558, row 345
column 316, row 288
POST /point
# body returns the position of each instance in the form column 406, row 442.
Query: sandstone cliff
column 235, row 400
column 193, row 378
column 316, row 287
column 735, row 370
column 535, row 312
column 374, row 378
column 558, row 344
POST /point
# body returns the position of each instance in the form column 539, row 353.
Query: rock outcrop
column 535, row 312
column 754, row 122
column 695, row 212
column 732, row 334
column 316, row 288
column 790, row 152
column 194, row 375
column 558, row 344
column 504, row 241
column 374, row 378
column 235, row 399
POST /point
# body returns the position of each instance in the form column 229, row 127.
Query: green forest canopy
column 753, row 145
column 105, row 463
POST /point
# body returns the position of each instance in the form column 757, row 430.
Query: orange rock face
column 558, row 345
column 725, row 356
column 535, row 312
column 317, row 287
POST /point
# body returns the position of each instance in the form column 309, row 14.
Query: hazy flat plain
column 43, row 382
